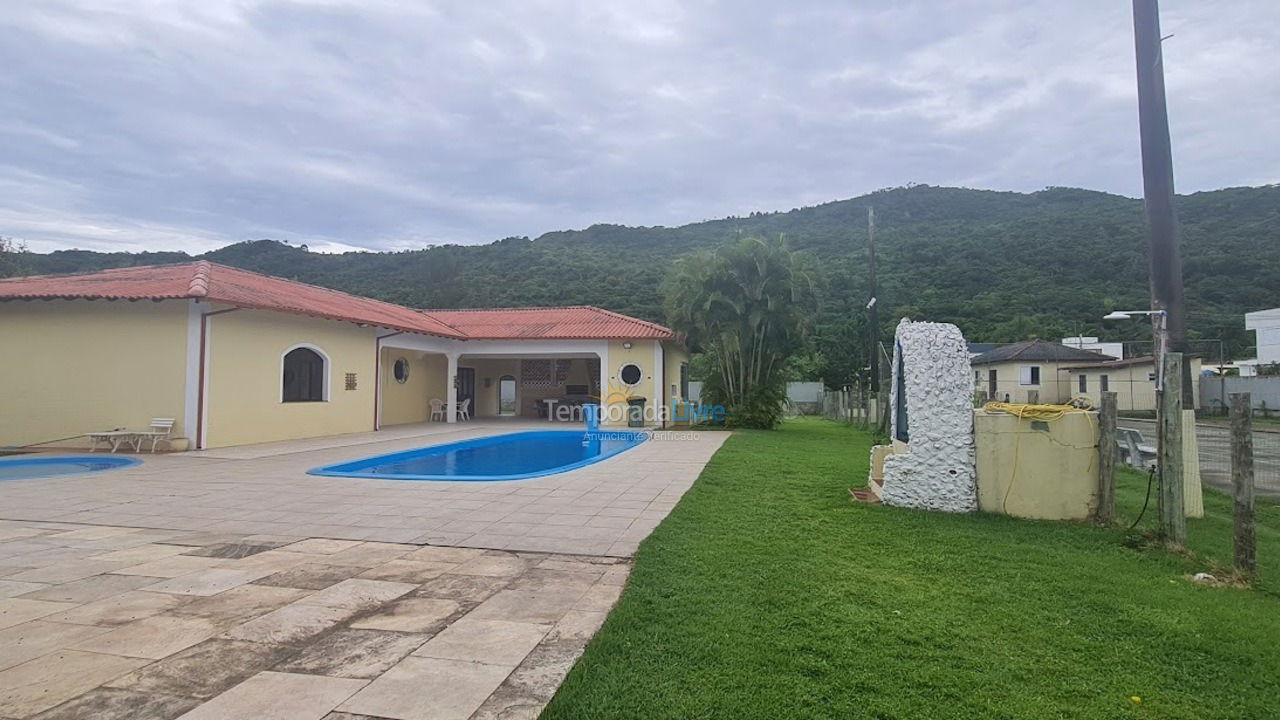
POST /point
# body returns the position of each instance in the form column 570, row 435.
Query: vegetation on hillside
column 1003, row 266
column 12, row 257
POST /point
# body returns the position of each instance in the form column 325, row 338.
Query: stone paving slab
column 484, row 634
column 235, row 501
column 232, row 585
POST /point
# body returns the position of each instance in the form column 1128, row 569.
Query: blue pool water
column 499, row 457
column 36, row 467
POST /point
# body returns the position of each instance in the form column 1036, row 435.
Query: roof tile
column 212, row 282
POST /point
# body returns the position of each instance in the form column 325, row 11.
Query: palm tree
column 746, row 306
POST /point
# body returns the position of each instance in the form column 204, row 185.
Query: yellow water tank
column 1036, row 468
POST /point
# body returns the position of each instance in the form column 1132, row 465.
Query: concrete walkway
column 116, row 623
column 230, row 584
column 602, row 509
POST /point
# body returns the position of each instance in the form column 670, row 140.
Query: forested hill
column 1004, row 266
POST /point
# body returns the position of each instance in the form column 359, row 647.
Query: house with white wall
column 1028, row 371
column 1265, row 325
column 1083, row 342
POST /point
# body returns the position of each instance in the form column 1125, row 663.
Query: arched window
column 303, row 376
column 507, row 404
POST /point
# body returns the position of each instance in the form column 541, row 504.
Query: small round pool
column 50, row 466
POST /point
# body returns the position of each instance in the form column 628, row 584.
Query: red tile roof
column 580, row 322
column 211, row 282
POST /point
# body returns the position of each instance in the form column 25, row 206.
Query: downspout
column 377, row 378
column 200, row 399
column 662, row 391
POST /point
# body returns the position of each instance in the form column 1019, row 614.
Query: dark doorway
column 991, row 384
column 467, row 387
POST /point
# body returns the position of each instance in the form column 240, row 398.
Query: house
column 238, row 357
column 1082, row 342
column 1132, row 380
column 977, row 348
column 1028, row 371
column 1265, row 325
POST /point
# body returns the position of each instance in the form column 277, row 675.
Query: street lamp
column 1161, row 332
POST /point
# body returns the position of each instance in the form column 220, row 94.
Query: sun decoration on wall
column 617, row 392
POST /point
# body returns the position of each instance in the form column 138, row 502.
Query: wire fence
column 1213, row 443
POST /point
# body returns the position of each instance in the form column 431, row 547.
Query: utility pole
column 1163, row 244
column 873, row 323
column 1157, row 178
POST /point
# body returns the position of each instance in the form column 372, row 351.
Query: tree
column 746, row 306
column 11, row 255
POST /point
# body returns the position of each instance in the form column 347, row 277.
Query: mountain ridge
column 1003, row 265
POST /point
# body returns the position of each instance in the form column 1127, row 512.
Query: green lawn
column 767, row 593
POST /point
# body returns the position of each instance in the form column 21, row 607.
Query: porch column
column 451, row 390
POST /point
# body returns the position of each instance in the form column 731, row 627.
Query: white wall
column 1266, row 327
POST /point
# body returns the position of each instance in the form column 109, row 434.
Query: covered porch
column 531, row 380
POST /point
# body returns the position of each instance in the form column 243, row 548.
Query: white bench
column 161, row 429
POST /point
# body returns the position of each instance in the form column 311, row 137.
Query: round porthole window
column 401, row 371
column 630, row 374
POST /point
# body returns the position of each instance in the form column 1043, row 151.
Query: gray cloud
column 167, row 124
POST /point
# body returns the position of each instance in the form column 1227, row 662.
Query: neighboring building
column 1265, row 325
column 1082, row 342
column 237, row 357
column 977, row 348
column 1133, row 381
column 1028, row 371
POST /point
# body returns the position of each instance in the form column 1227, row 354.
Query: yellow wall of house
column 1053, row 387
column 245, row 351
column 673, row 357
column 488, row 372
column 1037, row 470
column 641, row 354
column 409, row 402
column 72, row 366
column 1133, row 386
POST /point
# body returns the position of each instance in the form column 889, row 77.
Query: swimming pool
column 18, row 468
column 499, row 457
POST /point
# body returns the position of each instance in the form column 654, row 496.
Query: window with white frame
column 303, row 376
column 1029, row 375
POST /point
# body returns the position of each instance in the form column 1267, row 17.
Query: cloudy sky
column 157, row 124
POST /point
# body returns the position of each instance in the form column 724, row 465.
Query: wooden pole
column 1163, row 237
column 1173, row 519
column 1246, row 548
column 1107, row 459
column 873, row 311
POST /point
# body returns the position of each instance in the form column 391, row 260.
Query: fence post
column 1246, row 549
column 1107, row 459
column 1173, row 517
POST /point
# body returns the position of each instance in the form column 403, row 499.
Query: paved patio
column 230, row 584
column 602, row 509
column 124, row 623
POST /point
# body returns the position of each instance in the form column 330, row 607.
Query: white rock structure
column 931, row 403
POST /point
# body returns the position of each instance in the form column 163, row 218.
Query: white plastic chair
column 437, row 409
column 464, row 410
column 161, row 429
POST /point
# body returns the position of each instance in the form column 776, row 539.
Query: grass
column 767, row 593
